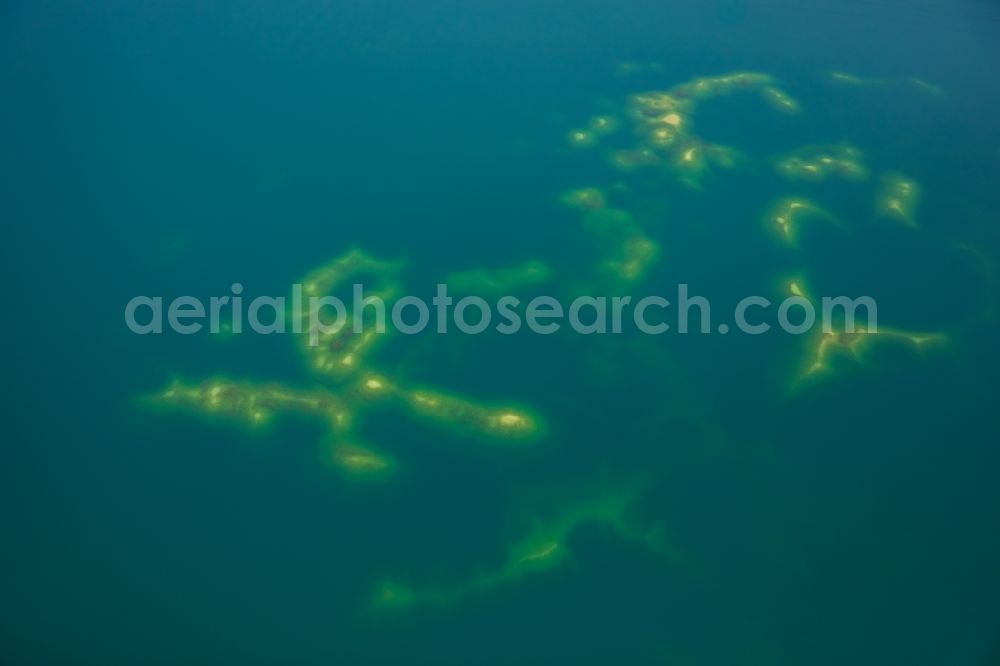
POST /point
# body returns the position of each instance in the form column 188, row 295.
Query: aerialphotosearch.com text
column 471, row 315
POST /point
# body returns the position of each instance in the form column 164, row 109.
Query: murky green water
column 676, row 499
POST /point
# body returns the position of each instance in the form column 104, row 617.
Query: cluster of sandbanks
column 660, row 129
column 342, row 358
column 847, row 342
column 819, row 163
column 828, row 349
column 661, row 126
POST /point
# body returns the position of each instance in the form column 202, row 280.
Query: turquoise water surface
column 673, row 499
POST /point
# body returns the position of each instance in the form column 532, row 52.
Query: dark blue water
column 173, row 148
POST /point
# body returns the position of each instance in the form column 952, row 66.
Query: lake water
column 683, row 499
